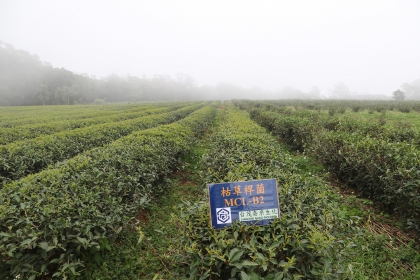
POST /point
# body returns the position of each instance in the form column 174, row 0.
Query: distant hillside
column 26, row 80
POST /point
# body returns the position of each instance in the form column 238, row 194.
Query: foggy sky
column 371, row 46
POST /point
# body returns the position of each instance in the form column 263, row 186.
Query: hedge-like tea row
column 378, row 167
column 288, row 119
column 305, row 242
column 339, row 106
column 20, row 133
column 46, row 114
column 384, row 170
column 48, row 219
column 26, row 112
column 22, row 158
column 6, row 111
column 295, row 131
column 397, row 132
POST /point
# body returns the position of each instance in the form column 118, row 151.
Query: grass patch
column 376, row 257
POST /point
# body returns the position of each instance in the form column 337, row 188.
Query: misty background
column 68, row 52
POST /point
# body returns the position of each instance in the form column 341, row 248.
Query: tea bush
column 379, row 161
column 22, row 158
column 9, row 135
column 45, row 114
column 48, row 219
column 307, row 241
column 381, row 169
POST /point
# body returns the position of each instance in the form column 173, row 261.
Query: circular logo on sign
column 223, row 215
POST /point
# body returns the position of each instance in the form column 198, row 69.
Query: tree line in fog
column 26, row 80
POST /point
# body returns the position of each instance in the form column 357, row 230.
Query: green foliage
column 154, row 256
column 50, row 219
column 28, row 131
column 383, row 170
column 379, row 257
column 374, row 158
column 324, row 106
column 305, row 242
column 295, row 131
column 36, row 115
column 22, row 158
column 77, row 215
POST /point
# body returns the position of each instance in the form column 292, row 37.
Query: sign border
column 242, row 181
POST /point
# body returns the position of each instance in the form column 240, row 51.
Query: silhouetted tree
column 315, row 93
column 398, row 95
column 43, row 93
column 340, row 91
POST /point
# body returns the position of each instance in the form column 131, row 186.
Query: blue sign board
column 253, row 202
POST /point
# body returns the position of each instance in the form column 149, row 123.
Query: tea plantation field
column 378, row 155
column 118, row 191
